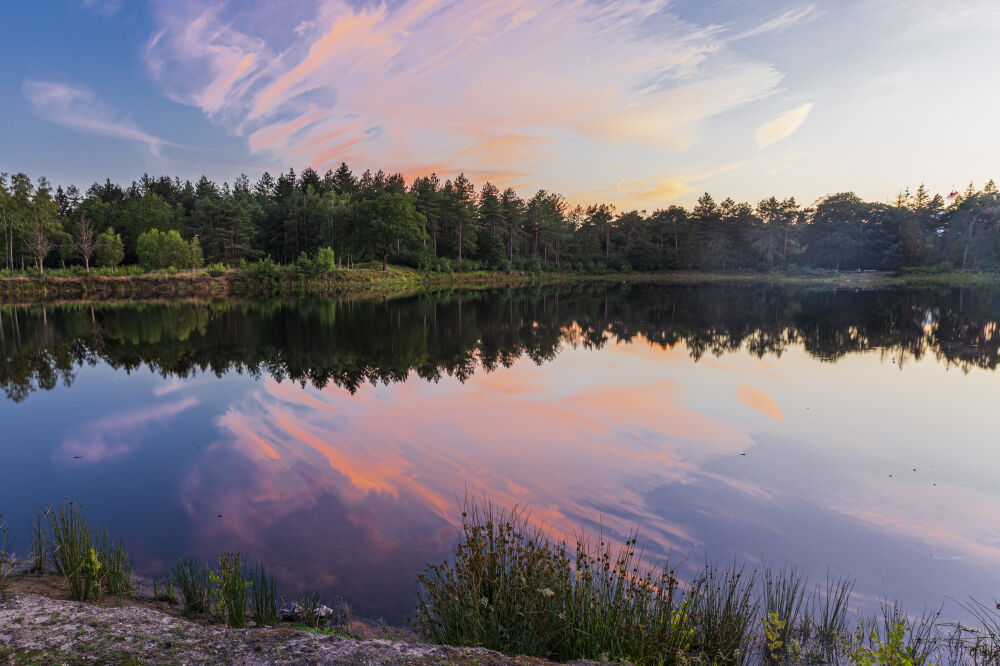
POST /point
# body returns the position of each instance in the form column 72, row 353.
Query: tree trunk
column 385, row 262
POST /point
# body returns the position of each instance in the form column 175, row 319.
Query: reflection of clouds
column 759, row 400
column 953, row 522
column 568, row 456
column 117, row 434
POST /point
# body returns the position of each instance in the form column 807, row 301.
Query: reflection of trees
column 352, row 342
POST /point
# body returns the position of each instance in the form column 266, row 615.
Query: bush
column 216, row 269
column 156, row 249
column 109, row 250
column 325, row 260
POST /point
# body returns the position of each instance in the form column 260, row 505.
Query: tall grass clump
column 37, row 545
column 723, row 613
column 230, row 587
column 91, row 562
column 511, row 588
column 193, row 578
column 786, row 626
column 263, row 597
column 8, row 560
column 115, row 566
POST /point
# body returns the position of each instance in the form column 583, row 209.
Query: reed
column 37, row 545
column 510, row 588
column 193, row 578
column 784, row 596
column 115, row 566
column 164, row 590
column 73, row 551
column 9, row 562
column 263, row 597
column 310, row 604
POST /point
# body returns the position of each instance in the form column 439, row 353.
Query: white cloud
column 780, row 23
column 781, row 127
column 80, row 109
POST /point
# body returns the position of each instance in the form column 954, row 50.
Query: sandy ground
column 37, row 629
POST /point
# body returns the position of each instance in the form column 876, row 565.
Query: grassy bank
column 264, row 278
column 512, row 589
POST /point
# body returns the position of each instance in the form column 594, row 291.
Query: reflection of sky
column 856, row 467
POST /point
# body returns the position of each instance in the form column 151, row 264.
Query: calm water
column 854, row 432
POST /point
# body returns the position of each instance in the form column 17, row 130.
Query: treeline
column 353, row 342
column 449, row 226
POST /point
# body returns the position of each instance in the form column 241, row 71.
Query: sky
column 638, row 103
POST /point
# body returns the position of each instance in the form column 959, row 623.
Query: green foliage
column 193, row 578
column 91, row 562
column 109, row 250
column 325, row 260
column 216, row 269
column 229, row 585
column 156, row 249
column 869, row 648
column 508, row 588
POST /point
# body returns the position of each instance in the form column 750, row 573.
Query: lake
column 844, row 431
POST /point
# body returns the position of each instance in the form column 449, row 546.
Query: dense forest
column 350, row 342
column 341, row 220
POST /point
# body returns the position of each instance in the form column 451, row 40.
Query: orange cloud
column 759, row 400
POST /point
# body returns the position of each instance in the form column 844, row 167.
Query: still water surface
column 853, row 432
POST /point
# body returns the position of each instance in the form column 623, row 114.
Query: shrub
column 216, row 269
column 325, row 260
column 109, row 251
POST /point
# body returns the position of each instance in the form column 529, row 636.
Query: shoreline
column 42, row 629
column 403, row 282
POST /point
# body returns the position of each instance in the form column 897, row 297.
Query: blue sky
column 642, row 103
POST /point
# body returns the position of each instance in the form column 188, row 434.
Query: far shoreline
column 403, row 281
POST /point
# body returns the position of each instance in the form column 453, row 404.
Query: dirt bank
column 41, row 630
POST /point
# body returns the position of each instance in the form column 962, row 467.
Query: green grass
column 510, row 588
column 263, row 597
column 193, row 578
column 9, row 563
column 74, row 552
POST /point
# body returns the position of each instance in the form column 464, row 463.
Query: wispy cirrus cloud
column 499, row 90
column 118, row 434
column 782, row 127
column 80, row 109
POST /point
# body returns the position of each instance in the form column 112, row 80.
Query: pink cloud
column 505, row 90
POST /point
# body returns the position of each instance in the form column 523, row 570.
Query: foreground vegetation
column 510, row 587
column 344, row 220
